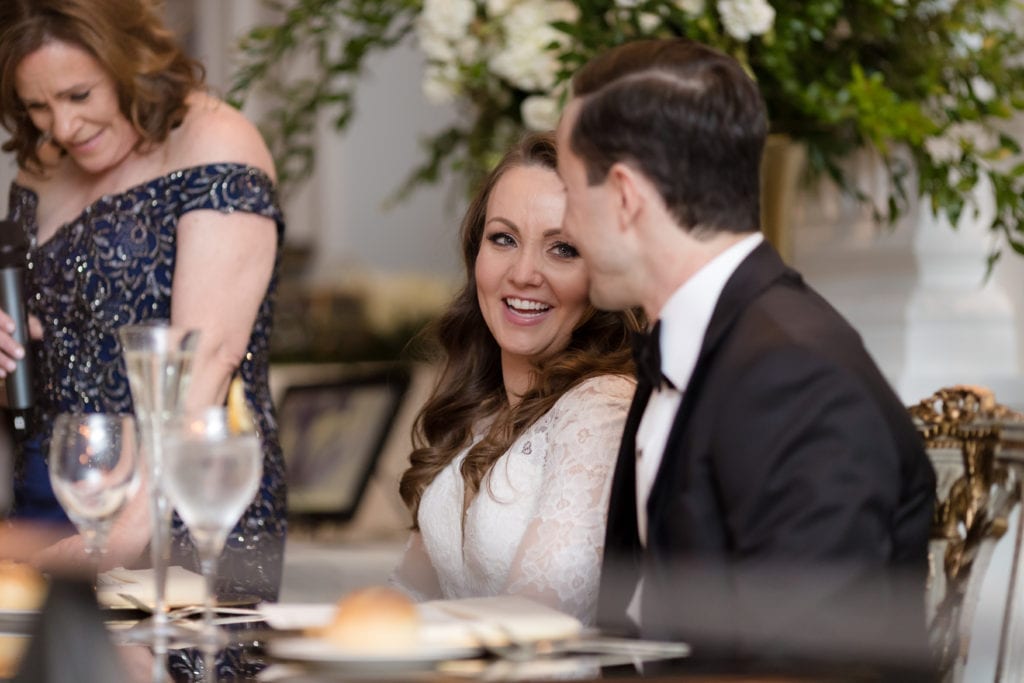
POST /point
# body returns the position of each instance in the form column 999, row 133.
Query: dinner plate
column 17, row 621
column 318, row 651
column 117, row 604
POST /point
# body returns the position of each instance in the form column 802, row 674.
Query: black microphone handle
column 18, row 381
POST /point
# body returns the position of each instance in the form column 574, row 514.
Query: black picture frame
column 332, row 435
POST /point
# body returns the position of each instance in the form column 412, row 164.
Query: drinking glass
column 213, row 470
column 158, row 358
column 93, row 472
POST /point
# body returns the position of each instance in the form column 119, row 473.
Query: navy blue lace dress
column 113, row 265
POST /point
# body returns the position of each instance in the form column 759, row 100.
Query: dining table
column 75, row 638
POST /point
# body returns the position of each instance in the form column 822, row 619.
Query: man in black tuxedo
column 772, row 496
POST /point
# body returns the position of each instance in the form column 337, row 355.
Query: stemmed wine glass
column 213, row 467
column 93, row 472
column 158, row 358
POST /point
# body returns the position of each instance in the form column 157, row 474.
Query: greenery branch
column 925, row 83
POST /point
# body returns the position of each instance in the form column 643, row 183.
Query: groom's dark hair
column 687, row 116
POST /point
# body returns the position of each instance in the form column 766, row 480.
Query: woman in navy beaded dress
column 143, row 197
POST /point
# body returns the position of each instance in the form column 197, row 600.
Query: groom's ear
column 631, row 191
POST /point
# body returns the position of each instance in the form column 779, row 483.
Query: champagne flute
column 158, row 358
column 92, row 463
column 212, row 474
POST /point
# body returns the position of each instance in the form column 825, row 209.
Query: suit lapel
column 757, row 272
column 620, row 568
column 622, row 529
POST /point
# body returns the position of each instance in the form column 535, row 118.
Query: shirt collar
column 687, row 313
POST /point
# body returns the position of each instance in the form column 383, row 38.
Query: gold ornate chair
column 977, row 449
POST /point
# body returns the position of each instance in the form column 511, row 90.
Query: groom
column 772, row 495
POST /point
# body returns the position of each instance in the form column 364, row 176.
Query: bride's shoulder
column 613, row 392
column 610, row 386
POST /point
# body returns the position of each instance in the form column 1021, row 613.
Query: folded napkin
column 500, row 618
column 183, row 587
column 468, row 620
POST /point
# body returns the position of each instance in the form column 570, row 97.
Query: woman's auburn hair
column 470, row 390
column 129, row 40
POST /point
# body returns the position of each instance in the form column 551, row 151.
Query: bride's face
column 531, row 282
column 73, row 101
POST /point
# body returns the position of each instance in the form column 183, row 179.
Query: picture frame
column 332, row 435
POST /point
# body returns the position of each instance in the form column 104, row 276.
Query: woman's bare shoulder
column 214, row 132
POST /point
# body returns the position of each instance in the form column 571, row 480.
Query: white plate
column 17, row 621
column 319, row 651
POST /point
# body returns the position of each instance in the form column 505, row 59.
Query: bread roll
column 374, row 620
column 21, row 586
column 12, row 648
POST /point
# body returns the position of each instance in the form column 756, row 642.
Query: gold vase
column 781, row 167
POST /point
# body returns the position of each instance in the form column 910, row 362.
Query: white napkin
column 501, row 617
column 451, row 621
column 183, row 587
column 287, row 616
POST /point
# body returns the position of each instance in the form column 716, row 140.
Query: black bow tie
column 647, row 354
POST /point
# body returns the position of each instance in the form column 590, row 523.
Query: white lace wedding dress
column 536, row 527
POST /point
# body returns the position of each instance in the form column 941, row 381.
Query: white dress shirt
column 684, row 322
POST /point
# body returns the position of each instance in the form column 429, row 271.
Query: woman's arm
column 224, row 261
column 558, row 561
column 415, row 574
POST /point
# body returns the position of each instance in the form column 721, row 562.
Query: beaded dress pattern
column 113, row 265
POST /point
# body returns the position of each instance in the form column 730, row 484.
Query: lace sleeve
column 415, row 575
column 559, row 559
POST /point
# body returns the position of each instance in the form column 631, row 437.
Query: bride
column 514, row 451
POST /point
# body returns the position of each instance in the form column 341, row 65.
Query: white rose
column 525, row 60
column 496, row 8
column 628, row 4
column 968, row 42
column 983, row 89
column 468, row 49
column 942, row 149
column 540, row 112
column 691, row 7
column 438, row 86
column 433, row 45
column 525, row 64
column 745, row 18
column 448, row 18
column 949, row 146
column 648, row 21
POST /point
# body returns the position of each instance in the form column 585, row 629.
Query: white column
column 865, row 270
column 917, row 293
column 961, row 328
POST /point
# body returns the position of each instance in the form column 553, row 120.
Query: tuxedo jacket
column 794, row 498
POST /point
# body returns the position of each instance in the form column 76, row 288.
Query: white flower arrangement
column 925, row 76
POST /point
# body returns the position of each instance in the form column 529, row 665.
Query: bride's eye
column 565, row 250
column 501, row 239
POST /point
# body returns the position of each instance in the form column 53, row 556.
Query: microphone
column 13, row 250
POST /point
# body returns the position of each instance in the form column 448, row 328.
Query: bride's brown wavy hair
column 131, row 43
column 470, row 387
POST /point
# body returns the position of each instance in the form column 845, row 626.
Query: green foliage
column 922, row 80
column 331, row 39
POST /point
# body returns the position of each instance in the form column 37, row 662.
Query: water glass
column 92, row 464
column 158, row 358
column 212, row 473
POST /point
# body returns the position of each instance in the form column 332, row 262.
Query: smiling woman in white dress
column 514, row 451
